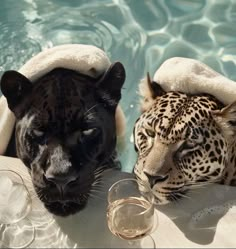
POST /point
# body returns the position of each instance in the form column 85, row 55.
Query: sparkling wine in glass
column 130, row 212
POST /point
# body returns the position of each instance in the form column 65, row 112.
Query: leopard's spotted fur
column 183, row 141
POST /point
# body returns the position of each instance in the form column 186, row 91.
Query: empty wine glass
column 16, row 230
column 131, row 214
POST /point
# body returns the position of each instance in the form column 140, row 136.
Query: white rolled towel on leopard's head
column 86, row 59
column 192, row 76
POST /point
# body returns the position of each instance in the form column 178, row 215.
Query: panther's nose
column 60, row 181
column 153, row 179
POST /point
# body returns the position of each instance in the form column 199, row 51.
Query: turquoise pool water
column 141, row 34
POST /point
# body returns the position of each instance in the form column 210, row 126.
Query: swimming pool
column 140, row 34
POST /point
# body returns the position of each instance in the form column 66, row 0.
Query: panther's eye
column 90, row 132
column 39, row 136
column 37, row 133
column 150, row 133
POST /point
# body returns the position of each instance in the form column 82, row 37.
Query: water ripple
column 15, row 49
column 145, row 14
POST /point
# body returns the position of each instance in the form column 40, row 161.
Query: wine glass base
column 146, row 242
column 17, row 235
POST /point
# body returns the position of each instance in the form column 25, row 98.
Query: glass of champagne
column 16, row 230
column 131, row 214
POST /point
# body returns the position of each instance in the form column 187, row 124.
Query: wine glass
column 130, row 213
column 16, row 230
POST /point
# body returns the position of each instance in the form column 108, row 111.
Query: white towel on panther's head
column 86, row 59
column 192, row 76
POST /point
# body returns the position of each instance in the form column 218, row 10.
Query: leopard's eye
column 150, row 133
column 186, row 148
column 189, row 144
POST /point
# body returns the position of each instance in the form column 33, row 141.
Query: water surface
column 140, row 34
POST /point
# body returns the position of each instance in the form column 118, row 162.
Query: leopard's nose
column 154, row 179
column 60, row 181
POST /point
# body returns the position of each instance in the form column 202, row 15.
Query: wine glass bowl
column 15, row 206
column 130, row 212
column 15, row 200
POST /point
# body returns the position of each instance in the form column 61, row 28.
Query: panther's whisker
column 96, row 197
column 91, row 108
column 98, row 178
column 102, row 169
column 90, row 115
column 97, row 173
column 97, row 184
column 96, row 190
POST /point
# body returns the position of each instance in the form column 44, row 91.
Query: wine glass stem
column 146, row 242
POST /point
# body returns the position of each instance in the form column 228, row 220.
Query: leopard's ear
column 111, row 82
column 15, row 87
column 149, row 91
column 226, row 119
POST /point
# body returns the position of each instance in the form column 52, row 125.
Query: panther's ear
column 149, row 90
column 111, row 83
column 14, row 87
column 226, row 119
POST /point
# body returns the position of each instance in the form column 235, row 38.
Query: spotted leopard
column 183, row 141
